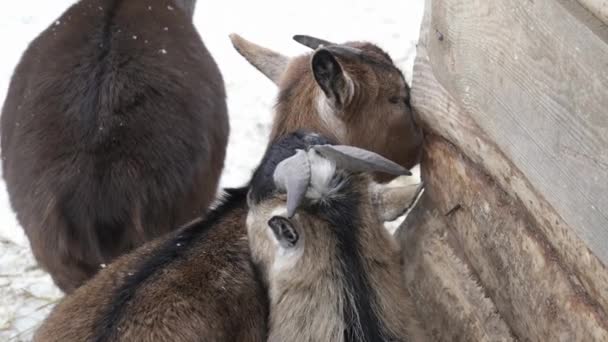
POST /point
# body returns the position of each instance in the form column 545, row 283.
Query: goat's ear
column 331, row 78
column 270, row 63
column 284, row 231
column 395, row 198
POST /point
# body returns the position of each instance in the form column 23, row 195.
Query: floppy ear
column 284, row 231
column 331, row 78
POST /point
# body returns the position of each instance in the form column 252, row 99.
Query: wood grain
column 534, row 79
column 449, row 299
column 516, row 265
column 598, row 7
column 442, row 114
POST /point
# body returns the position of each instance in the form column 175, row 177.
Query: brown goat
column 350, row 92
column 332, row 270
column 195, row 284
column 114, row 131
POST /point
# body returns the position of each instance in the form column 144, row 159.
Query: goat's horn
column 311, row 42
column 293, row 176
column 345, row 50
column 270, row 63
column 360, row 160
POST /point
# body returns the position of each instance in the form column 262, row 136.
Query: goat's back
column 114, row 131
column 195, row 284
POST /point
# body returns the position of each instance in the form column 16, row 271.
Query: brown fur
column 113, row 132
column 306, row 286
column 209, row 293
column 203, row 286
column 367, row 119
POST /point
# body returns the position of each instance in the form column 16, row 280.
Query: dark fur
column 262, row 184
column 170, row 251
column 342, row 216
column 372, row 109
column 347, row 260
column 197, row 284
column 108, row 141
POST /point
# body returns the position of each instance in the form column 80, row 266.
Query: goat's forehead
column 262, row 182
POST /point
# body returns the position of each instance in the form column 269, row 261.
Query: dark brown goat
column 197, row 284
column 114, row 132
column 351, row 92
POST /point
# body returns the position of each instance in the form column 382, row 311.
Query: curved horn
column 270, row 63
column 360, row 160
column 311, row 42
column 344, row 50
column 293, row 176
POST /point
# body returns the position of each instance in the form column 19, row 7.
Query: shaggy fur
column 197, row 284
column 342, row 281
column 114, row 132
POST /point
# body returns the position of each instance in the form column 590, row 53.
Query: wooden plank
column 449, row 300
column 442, row 115
column 534, row 78
column 599, row 8
column 517, row 266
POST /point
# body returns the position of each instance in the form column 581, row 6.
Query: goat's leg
column 393, row 199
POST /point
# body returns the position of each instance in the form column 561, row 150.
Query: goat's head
column 351, row 92
column 308, row 197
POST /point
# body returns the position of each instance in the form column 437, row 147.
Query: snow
column 26, row 292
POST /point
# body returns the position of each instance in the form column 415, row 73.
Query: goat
column 114, row 132
column 352, row 93
column 332, row 271
column 198, row 283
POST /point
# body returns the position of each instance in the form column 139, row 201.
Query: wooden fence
column 510, row 239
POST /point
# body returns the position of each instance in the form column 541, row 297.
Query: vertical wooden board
column 599, row 8
column 449, row 301
column 442, row 115
column 534, row 78
column 518, row 268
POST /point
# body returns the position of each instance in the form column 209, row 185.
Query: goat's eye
column 398, row 100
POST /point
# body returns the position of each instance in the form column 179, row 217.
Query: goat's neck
column 309, row 311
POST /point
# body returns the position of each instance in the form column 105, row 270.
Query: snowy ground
column 26, row 292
